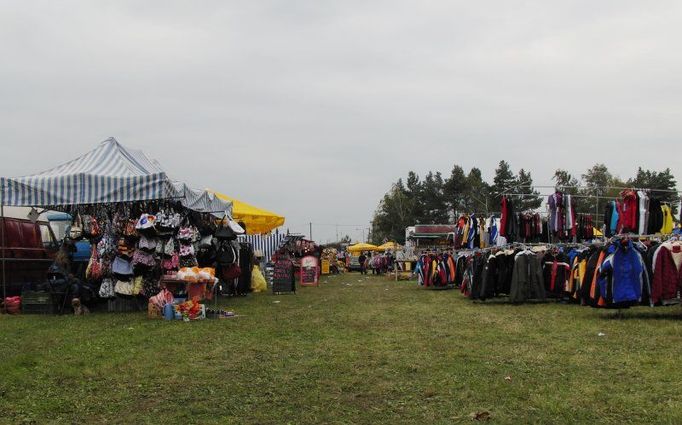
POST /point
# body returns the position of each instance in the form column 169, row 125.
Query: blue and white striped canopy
column 201, row 200
column 267, row 245
column 110, row 173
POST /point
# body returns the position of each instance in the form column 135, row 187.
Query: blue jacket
column 628, row 275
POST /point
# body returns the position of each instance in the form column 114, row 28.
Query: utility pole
column 311, row 230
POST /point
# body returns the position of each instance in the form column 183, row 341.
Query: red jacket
column 628, row 211
column 667, row 277
column 503, row 217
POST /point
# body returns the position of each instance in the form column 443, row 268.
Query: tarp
column 362, row 247
column 256, row 220
column 109, row 173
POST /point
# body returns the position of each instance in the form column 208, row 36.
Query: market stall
column 148, row 234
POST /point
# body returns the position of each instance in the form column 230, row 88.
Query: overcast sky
column 313, row 108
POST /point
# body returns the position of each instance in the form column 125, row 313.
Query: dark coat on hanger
column 527, row 281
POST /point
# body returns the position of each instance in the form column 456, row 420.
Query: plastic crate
column 38, row 302
column 36, row 297
column 38, row 309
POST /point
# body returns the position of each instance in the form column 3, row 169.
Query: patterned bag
column 123, row 288
column 106, row 290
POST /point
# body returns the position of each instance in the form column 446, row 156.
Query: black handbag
column 226, row 254
column 224, row 232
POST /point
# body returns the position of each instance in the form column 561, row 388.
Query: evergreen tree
column 433, row 205
column 455, row 189
column 393, row 215
column 525, row 183
column 476, row 196
column 565, row 182
column 597, row 181
column 504, row 181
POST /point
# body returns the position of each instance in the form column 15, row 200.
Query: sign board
column 310, row 271
column 283, row 277
column 325, row 267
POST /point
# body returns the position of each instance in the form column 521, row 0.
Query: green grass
column 348, row 352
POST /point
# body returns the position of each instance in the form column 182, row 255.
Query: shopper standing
column 363, row 266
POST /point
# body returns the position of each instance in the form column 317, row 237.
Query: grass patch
column 369, row 352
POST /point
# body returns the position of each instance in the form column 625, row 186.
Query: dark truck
column 27, row 250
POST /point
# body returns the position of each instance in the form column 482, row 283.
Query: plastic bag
column 258, row 283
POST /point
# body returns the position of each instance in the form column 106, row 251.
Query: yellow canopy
column 257, row 220
column 392, row 246
column 362, row 247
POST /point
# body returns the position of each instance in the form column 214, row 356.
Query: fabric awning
column 257, row 220
column 362, row 247
column 201, row 200
column 109, row 173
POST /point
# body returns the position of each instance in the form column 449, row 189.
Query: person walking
column 363, row 266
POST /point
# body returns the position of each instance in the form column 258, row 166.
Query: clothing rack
column 520, row 186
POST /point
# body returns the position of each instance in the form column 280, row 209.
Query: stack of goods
column 332, row 255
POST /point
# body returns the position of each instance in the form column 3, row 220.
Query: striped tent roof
column 109, row 173
column 201, row 200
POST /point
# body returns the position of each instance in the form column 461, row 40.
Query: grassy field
column 351, row 351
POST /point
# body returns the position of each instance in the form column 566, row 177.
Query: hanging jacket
column 628, row 275
column 644, row 202
column 527, row 282
column 489, row 278
column 667, row 272
column 655, row 217
column 556, row 271
column 628, row 211
column 668, row 224
column 589, row 290
column 492, row 231
column 503, row 219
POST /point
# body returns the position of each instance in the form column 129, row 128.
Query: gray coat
column 527, row 281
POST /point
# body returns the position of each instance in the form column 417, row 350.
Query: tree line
column 438, row 199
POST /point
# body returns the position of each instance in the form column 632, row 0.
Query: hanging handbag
column 106, row 290
column 231, row 272
column 87, row 225
column 123, row 288
column 226, row 254
column 137, row 285
column 76, row 230
column 95, row 228
column 129, row 228
column 224, row 232
column 142, row 258
column 94, row 270
column 122, row 267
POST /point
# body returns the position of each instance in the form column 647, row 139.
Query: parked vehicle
column 27, row 252
column 354, row 263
